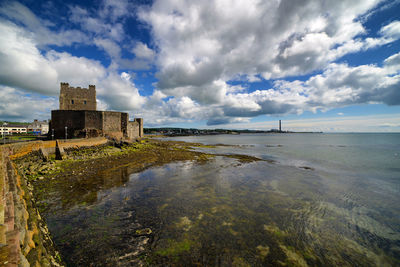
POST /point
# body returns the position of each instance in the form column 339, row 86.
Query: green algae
column 276, row 231
column 184, row 223
column 240, row 262
column 263, row 251
column 175, row 248
column 242, row 158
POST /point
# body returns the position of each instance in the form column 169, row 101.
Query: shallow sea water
column 326, row 199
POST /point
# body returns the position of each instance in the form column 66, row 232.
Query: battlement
column 77, row 98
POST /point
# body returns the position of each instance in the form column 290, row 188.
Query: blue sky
column 317, row 65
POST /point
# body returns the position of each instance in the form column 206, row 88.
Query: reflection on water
column 224, row 212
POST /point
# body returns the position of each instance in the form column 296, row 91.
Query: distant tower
column 280, row 126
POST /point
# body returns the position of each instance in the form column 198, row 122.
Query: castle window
column 84, row 102
column 72, row 101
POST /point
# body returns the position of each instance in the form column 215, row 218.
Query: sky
column 317, row 65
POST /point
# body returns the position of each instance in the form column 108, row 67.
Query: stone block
column 59, row 151
column 44, row 154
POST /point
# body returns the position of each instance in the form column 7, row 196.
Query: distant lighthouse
column 280, row 126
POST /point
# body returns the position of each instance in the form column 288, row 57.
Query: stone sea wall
column 24, row 238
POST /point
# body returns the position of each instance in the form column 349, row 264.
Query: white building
column 12, row 129
column 41, row 127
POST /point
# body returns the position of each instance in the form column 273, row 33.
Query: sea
column 315, row 199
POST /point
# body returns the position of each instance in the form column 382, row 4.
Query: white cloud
column 337, row 86
column 23, row 66
column 115, row 9
column 392, row 63
column 77, row 70
column 391, row 30
column 119, row 93
column 202, row 45
column 202, row 42
column 15, row 105
column 95, row 25
column 141, row 50
column 389, row 34
column 109, row 46
column 21, row 63
column 43, row 36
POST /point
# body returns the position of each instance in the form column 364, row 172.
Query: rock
column 145, row 231
column 44, row 154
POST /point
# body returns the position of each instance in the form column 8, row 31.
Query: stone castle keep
column 77, row 98
column 78, row 117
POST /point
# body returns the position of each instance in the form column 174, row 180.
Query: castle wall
column 112, row 124
column 93, row 120
column 76, row 98
column 140, row 122
column 74, row 120
column 111, row 121
column 85, row 123
column 135, row 128
column 124, row 123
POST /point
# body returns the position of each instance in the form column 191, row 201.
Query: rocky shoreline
column 67, row 175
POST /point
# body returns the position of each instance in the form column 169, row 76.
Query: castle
column 77, row 117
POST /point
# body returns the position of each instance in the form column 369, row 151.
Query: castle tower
column 72, row 98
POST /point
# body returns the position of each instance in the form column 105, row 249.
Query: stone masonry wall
column 111, row 121
column 140, row 122
column 74, row 120
column 124, row 123
column 76, row 98
column 112, row 124
column 24, row 238
column 93, row 120
column 84, row 123
column 135, row 128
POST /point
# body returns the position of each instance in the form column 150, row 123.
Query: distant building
column 78, row 117
column 38, row 127
column 13, row 129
